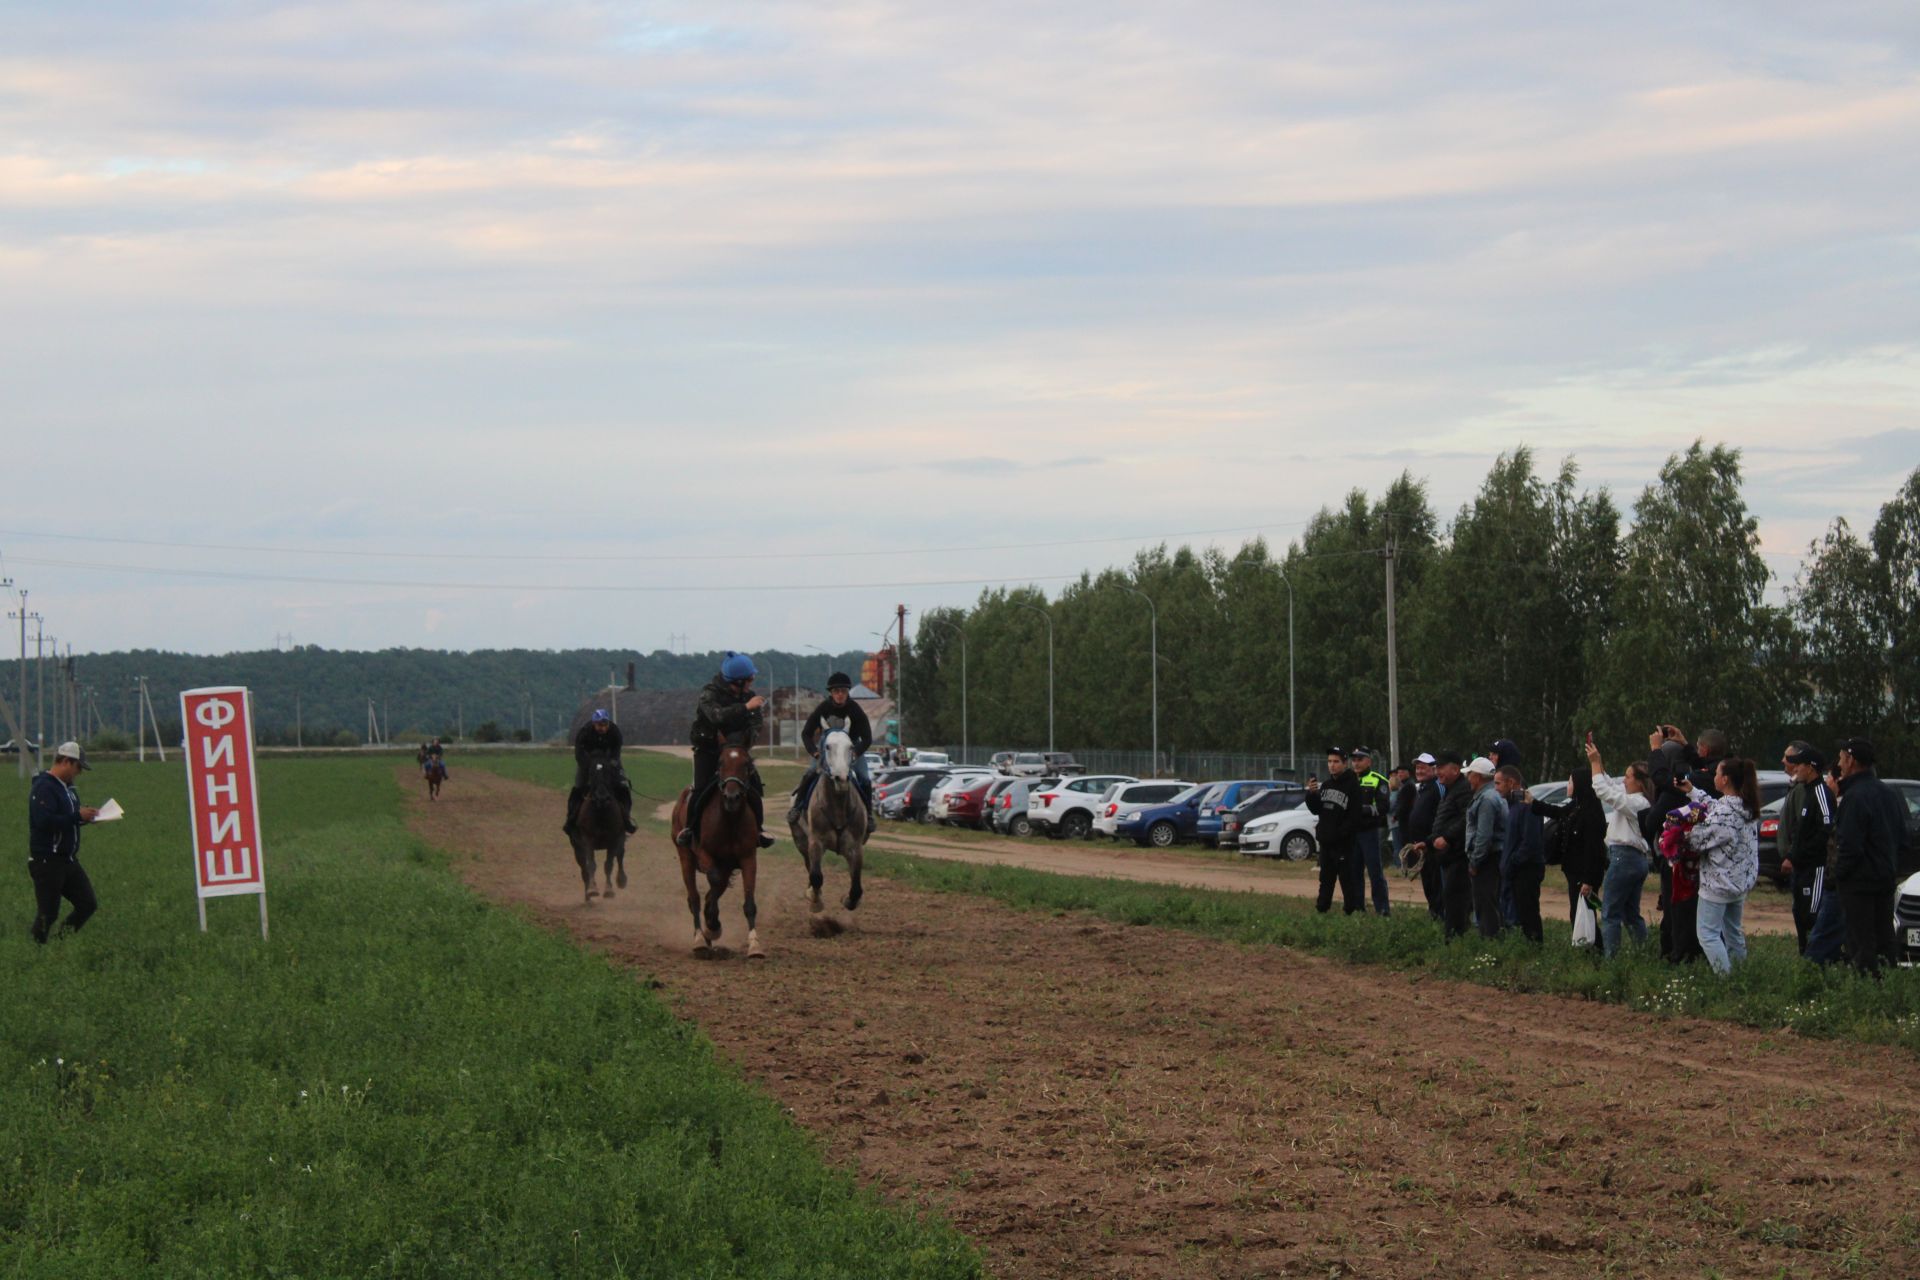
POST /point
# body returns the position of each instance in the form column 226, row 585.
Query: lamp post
column 1048, row 617
column 1153, row 662
column 1293, row 756
column 960, row 631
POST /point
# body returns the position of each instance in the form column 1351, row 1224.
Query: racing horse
column 434, row 769
column 835, row 818
column 728, row 840
column 599, row 822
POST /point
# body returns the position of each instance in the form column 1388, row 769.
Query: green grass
column 1774, row 989
column 404, row 1081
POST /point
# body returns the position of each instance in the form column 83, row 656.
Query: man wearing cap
column 1400, row 790
column 54, row 818
column 1372, row 821
column 1417, row 829
column 1872, row 828
column 1449, row 844
column 1336, row 809
column 1486, row 831
column 1806, row 820
column 599, row 736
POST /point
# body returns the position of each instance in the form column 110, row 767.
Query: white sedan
column 1289, row 834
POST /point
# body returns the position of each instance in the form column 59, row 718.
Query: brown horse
column 600, row 822
column 435, row 770
column 727, row 841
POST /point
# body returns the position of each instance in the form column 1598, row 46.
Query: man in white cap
column 1486, row 830
column 54, row 818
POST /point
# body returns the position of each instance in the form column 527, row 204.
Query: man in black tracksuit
column 1448, row 846
column 1422, row 799
column 728, row 714
column 600, row 737
column 1336, row 809
column 1872, row 830
column 54, row 818
column 1806, row 821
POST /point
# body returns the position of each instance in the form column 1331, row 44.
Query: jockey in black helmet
column 729, row 712
column 598, row 736
column 839, row 711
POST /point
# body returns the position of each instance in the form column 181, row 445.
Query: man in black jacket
column 1666, row 767
column 600, row 737
column 1417, row 828
column 54, row 818
column 1872, row 829
column 728, row 712
column 1448, row 847
column 1806, row 820
column 838, row 711
column 1336, row 809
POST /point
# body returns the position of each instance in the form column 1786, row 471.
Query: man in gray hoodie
column 1486, row 831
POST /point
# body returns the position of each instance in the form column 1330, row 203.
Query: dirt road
column 1087, row 1099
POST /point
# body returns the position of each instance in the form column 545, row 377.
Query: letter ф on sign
column 222, row 797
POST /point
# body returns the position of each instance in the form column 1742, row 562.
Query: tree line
column 1536, row 613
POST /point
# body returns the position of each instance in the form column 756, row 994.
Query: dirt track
column 1087, row 1099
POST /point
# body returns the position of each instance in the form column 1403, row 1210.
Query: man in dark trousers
column 1371, row 827
column 1336, row 807
column 728, row 712
column 1523, row 853
column 1872, row 828
column 1806, row 820
column 1448, row 847
column 54, row 818
column 839, row 711
column 1486, row 836
column 1417, row 828
column 598, row 737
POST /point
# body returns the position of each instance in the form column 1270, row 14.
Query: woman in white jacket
column 1728, row 842
column 1624, row 800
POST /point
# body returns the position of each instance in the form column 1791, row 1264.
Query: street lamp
column 1153, row 662
column 1293, row 756
column 962, row 633
column 1034, row 608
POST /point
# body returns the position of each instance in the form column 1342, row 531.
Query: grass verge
column 404, row 1081
column 1774, row 989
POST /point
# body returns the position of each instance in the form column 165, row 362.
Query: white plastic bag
column 1586, row 925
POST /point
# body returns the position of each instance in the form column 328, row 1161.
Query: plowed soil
column 1088, row 1099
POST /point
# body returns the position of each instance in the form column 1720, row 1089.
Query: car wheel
column 1162, row 835
column 1076, row 826
column 1297, row 847
column 1020, row 827
column 924, row 817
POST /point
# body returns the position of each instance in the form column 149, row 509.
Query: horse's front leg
column 615, row 851
column 701, row 945
column 749, row 872
column 853, row 849
column 583, row 854
column 816, row 848
column 710, row 912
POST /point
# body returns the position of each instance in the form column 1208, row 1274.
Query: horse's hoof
column 701, row 946
column 754, row 950
column 607, row 894
column 851, row 903
column 813, row 901
column 621, row 879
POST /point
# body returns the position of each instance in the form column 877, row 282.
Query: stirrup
column 685, row 838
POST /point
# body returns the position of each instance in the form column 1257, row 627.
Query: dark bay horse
column 728, row 841
column 435, row 771
column 836, row 819
column 599, row 822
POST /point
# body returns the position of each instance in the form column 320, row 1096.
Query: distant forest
column 413, row 691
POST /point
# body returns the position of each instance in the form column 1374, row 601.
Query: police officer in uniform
column 1371, row 826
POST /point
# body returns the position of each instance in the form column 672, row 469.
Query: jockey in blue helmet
column 728, row 712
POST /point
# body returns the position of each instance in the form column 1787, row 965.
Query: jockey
column 728, row 713
column 839, row 711
column 599, row 736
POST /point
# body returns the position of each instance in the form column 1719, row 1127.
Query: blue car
column 1163, row 825
column 1220, row 800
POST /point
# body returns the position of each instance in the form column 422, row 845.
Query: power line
column 347, row 553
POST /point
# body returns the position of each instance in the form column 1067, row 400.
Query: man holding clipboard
column 55, row 816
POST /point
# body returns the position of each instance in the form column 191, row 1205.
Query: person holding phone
column 1627, row 850
column 1336, row 809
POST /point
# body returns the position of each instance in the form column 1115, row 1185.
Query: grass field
column 405, row 1081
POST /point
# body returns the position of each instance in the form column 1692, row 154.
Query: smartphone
column 1589, row 737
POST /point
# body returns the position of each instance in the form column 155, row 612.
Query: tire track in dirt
column 1091, row 1099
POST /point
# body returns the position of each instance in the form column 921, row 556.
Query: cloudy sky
column 413, row 319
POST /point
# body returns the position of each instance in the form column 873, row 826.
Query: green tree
column 1839, row 600
column 1896, row 546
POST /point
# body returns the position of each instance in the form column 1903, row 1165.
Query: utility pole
column 900, row 702
column 1393, row 662
column 22, row 743
column 40, row 680
column 297, row 742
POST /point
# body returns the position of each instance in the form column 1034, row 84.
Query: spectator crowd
column 1480, row 844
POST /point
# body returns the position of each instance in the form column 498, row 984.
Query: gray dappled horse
column 836, row 818
column 600, row 822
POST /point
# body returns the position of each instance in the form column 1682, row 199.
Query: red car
column 967, row 808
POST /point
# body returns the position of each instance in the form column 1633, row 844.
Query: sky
column 478, row 325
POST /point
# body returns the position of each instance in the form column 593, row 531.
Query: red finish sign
column 221, row 794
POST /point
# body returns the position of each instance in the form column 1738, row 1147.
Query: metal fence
column 1197, row 766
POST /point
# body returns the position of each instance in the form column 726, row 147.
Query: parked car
column 1066, row 808
column 8, row 748
column 1906, row 922
column 904, row 797
column 1289, row 834
column 1060, row 764
column 1288, row 795
column 1009, row 815
column 1125, row 797
column 930, row 757
column 949, row 781
column 1024, row 764
column 1221, row 799
column 962, row 802
column 1166, row 824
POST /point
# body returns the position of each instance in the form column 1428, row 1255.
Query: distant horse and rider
column 598, row 820
column 431, row 758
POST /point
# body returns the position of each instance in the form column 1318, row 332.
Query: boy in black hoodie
column 1336, row 807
